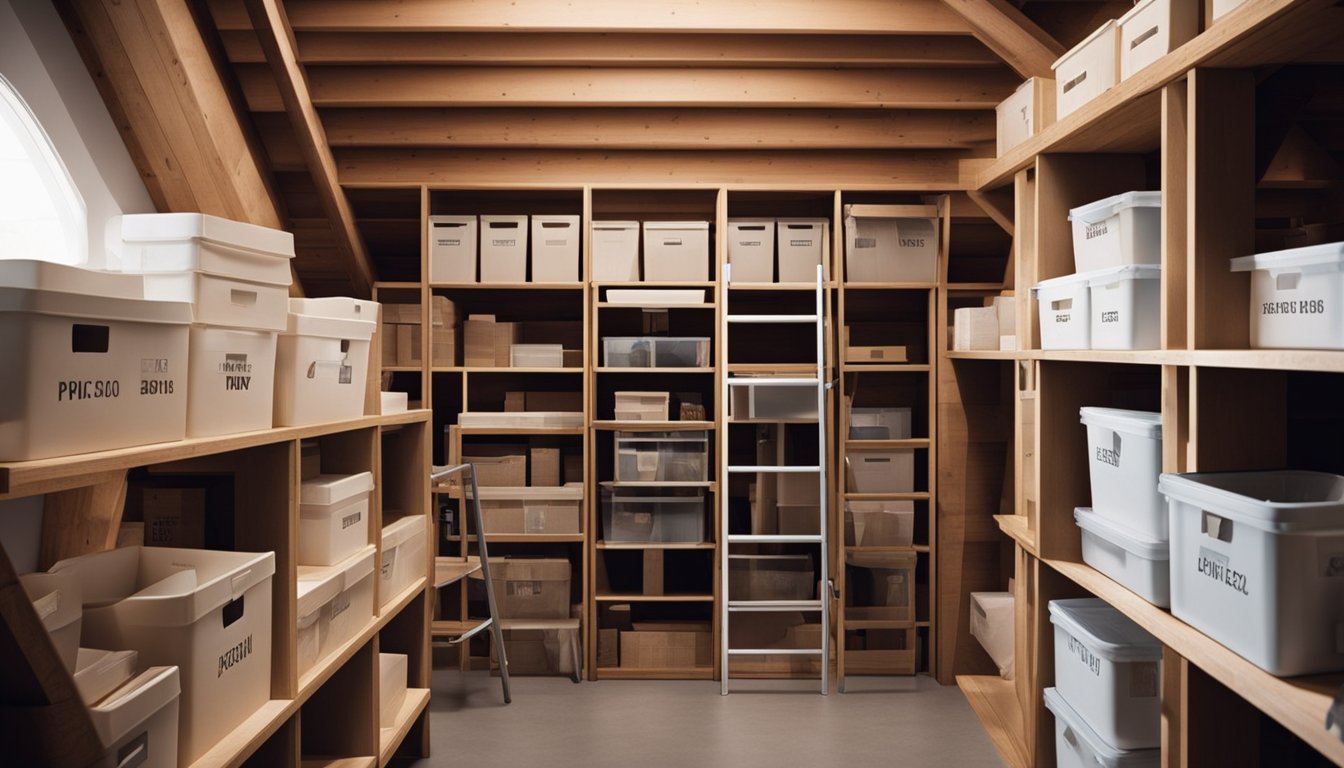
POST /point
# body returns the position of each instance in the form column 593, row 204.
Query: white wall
column 39, row 58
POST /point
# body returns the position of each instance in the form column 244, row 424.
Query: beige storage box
column 771, row 577
column 615, row 251
column 879, row 523
column 803, row 244
column 1026, row 113
column 392, row 676
column 880, row 470
column 642, row 406
column 452, row 249
column 890, row 244
column 503, row 249
column 58, row 601
column 531, row 588
column 751, row 250
column 540, row 511
column 1154, row 28
column 333, row 517
column 138, row 723
column 499, row 471
column 1088, row 70
column 403, row 556
column 335, row 603
column 676, row 251
column 555, row 249
column 322, row 361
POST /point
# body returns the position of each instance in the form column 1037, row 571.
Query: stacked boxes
column 402, row 329
column 504, row 243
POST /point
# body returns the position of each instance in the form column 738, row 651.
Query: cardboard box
column 515, row 402
column 975, row 328
column 310, row 460
column 506, row 471
column 530, row 516
column 537, row 651
column 545, row 467
column 408, row 344
column 174, row 517
column 704, row 647
column 478, row 333
column 505, row 336
column 387, row 338
column 531, row 588
column 608, row 647
column 661, row 650
column 443, row 347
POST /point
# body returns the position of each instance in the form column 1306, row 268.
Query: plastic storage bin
column 333, row 517
column 1109, row 670
column 57, row 600
column 1139, row 563
column 542, row 510
column 392, row 669
column 537, row 356
column 772, row 403
column 615, row 247
column 664, row 518
column 1152, row 29
column 666, row 457
column 206, row 612
column 884, row 246
column 654, row 297
column 642, row 406
column 98, row 673
column 1124, row 450
column 334, row 604
column 322, row 366
column 1117, row 230
column 138, row 723
column 676, row 251
column 1065, row 312
column 751, row 250
column 655, row 352
column 879, row 423
column 1088, row 70
column 555, row 249
column 1297, row 297
column 452, row 249
column 879, row 523
column 991, row 622
column 771, row 577
column 1255, row 564
column 91, row 366
column 880, row 471
column 1024, row 114
column 503, row 249
column 883, row 583
column 403, row 556
column 531, row 588
column 231, row 380
column 1126, row 307
column 185, row 242
column 1077, row 745
column 803, row 244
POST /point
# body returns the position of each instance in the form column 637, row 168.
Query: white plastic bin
column 1117, row 230
column 231, row 381
column 503, row 249
column 206, row 612
column 1109, row 670
column 642, row 406
column 537, row 356
column 1024, row 114
column 452, row 249
column 751, row 250
column 1223, row 7
column 1126, row 307
column 1064, row 305
column 1257, row 563
column 615, row 251
column 91, row 366
column 57, row 599
column 1124, row 450
column 223, row 301
column 880, row 470
column 187, row 242
column 555, row 248
column 138, row 723
column 1297, row 297
column 883, row 245
column 991, row 622
column 803, row 244
column 879, row 523
column 769, row 403
column 322, row 368
column 337, row 307
column 879, row 423
column 1152, row 29
column 98, row 673
column 632, row 517
column 1088, row 70
column 652, row 297
column 1079, row 746
column 542, row 510
column 403, row 560
column 335, row 603
column 1138, row 563
column 392, row 668
column 333, row 517
column 676, row 251
column 655, row 352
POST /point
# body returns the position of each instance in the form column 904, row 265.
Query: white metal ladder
column 728, row 606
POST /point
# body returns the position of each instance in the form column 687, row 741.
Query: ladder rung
column 801, row 470
column 771, row 381
column 762, row 538
column 474, row 631
column 774, row 651
column 772, row 318
column 766, row 606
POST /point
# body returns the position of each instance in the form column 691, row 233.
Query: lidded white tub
column 1117, row 230
column 1125, row 307
column 1077, row 745
column 1064, row 306
column 1124, row 458
column 1142, row 565
column 322, row 360
column 1297, row 297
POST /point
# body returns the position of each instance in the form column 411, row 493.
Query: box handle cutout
column 751, row 227
column 89, row 339
column 1143, row 38
column 1216, row 527
column 555, row 225
column 502, row 224
column 1287, row 281
column 449, row 224
column 241, row 298
column 1060, row 305
column 135, row 753
column 808, row 227
column 233, row 611
column 1075, row 82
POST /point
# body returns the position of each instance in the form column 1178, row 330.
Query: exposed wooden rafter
column 1004, row 29
column 277, row 41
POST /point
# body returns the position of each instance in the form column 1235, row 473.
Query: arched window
column 42, row 215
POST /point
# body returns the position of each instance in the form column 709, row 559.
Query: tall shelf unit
column 1221, row 126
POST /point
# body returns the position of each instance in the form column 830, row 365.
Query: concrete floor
column 554, row 723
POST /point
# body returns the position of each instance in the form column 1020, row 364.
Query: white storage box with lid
column 197, row 242
column 1117, row 230
column 231, row 380
column 392, row 668
column 503, row 249
column 615, row 254
column 322, row 362
column 206, row 612
column 767, row 402
column 1125, row 307
column 880, row 470
column 403, row 560
column 751, row 250
column 98, row 673
column 337, row 307
column 628, row 516
column 1024, row 114
column 452, row 249
column 552, row 510
column 655, row 352
column 91, row 366
column 1124, row 458
column 232, row 300
column 803, row 244
column 642, row 406
column 1297, row 297
column 334, row 604
column 1088, row 70
column 1152, row 29
column 393, row 402
column 1109, row 670
column 1064, row 304
column 555, row 248
column 991, row 622
column 1257, row 563
column 333, row 517
column 657, row 297
column 57, row 600
column 1139, row 563
column 882, row 585
column 537, row 356
column 879, row 423
column 771, row 577
column 138, row 723
column 975, row 328
column 669, row 457
column 890, row 244
column 1077, row 745
column 879, row 523
column 676, row 251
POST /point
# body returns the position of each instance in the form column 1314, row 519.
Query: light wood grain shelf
column 232, row 750
column 516, row 370
column 417, row 699
column 641, row 307
column 874, row 445
column 994, row 701
column 339, row 762
column 916, row 548
column 903, row 496
column 449, row 570
column 1017, row 527
column 850, row 286
column 394, row 285
column 540, row 431
column 852, row 369
column 659, row 371
column 526, row 538
column 809, row 287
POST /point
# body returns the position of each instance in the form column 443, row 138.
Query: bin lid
column 325, row 490
column 45, row 276
column 398, row 533
column 449, row 220
column 1104, row 630
column 1061, row 283
column 615, row 225
column 1139, row 423
column 98, row 673
column 1280, row 501
column 1108, row 28
column 133, row 704
column 327, row 581
column 1112, row 275
column 1325, row 254
column 1106, row 755
column 329, row 327
column 336, row 307
column 1120, row 535
column 1109, row 206
column 882, row 559
column 179, row 227
column 676, row 225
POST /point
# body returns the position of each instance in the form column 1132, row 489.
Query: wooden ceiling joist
column 916, row 17
column 278, row 43
column 641, row 128
column 1004, row 29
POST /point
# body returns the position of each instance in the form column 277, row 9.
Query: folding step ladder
column 728, row 605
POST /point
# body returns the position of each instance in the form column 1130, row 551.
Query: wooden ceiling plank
column 277, row 41
column 421, row 86
column 1004, row 29
column 641, row 128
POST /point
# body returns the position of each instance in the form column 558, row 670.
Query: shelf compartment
column 417, row 699
column 994, row 702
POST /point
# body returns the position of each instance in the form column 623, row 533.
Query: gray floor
column 554, row 723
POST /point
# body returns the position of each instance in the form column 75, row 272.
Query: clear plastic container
column 883, row 584
column 655, row 352
column 771, row 577
column 680, row 457
column 653, row 517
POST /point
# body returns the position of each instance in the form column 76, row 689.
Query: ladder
column 730, row 606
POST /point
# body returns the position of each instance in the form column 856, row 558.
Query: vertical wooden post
column 82, row 520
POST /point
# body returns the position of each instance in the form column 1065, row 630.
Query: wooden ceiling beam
column 1004, row 29
column 916, row 17
column 623, row 49
column 642, row 128
column 268, row 18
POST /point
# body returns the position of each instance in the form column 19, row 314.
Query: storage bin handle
column 89, row 339
column 1075, row 82
column 242, row 298
column 48, row 604
column 1143, row 38
column 135, row 753
column 1216, row 527
column 1070, row 737
column 1287, row 281
column 1059, row 305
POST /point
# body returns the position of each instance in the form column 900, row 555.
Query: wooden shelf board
column 605, row 369
column 467, row 431
column 507, row 286
column 512, row 369
column 397, row 604
column 974, row 287
column 1326, row 360
column 677, row 673
column 390, row 738
column 983, row 354
column 339, row 762
column 1299, row 704
column 876, row 624
column 886, row 368
column 1018, row 529
column 402, row 369
column 617, row 598
column 912, row 496
column 235, row 748
column 653, row 426
column 910, row 442
column 452, row 627
column 545, row 624
column 881, row 662
column 656, row 545
column 527, row 538
column 778, row 286
column 659, row 484
column 994, row 701
column 850, row 286
column 642, row 284
column 397, row 285
column 771, row 421
column 772, row 369
column 874, row 614
column 450, row 570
